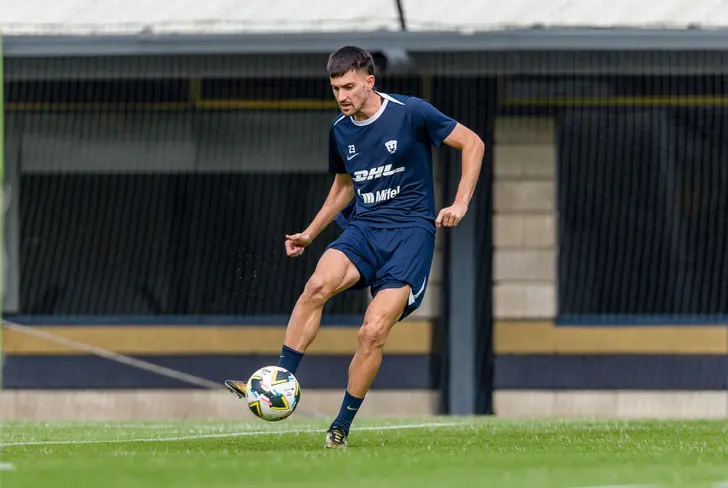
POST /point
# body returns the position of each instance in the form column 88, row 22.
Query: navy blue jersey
column 389, row 157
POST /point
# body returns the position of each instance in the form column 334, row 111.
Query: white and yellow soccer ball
column 272, row 393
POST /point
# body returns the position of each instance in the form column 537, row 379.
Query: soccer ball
column 272, row 393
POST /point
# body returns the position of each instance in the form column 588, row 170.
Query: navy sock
column 349, row 407
column 289, row 359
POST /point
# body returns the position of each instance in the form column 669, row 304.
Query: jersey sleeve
column 336, row 163
column 430, row 121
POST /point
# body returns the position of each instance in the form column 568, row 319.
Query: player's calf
column 304, row 323
column 368, row 357
column 382, row 313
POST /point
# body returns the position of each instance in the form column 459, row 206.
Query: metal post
column 462, row 272
column 4, row 266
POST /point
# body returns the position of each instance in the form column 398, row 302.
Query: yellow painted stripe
column 287, row 104
column 642, row 340
column 523, row 337
column 18, row 106
column 539, row 337
column 647, row 101
column 405, row 338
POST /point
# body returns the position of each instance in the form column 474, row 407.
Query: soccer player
column 383, row 197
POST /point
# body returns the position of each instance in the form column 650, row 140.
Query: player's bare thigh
column 382, row 314
column 334, row 273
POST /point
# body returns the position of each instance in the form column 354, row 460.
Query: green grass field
column 492, row 453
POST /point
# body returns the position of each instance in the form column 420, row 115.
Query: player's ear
column 370, row 82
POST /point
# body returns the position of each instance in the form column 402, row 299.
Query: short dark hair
column 349, row 58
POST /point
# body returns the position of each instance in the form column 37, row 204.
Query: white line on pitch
column 622, row 486
column 6, row 467
column 228, row 434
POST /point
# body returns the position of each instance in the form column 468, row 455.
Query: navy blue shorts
column 390, row 258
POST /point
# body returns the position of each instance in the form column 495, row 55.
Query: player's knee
column 316, row 289
column 373, row 334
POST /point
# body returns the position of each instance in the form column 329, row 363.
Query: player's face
column 352, row 91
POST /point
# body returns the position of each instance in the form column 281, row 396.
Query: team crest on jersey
column 391, row 146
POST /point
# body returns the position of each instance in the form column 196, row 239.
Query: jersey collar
column 373, row 118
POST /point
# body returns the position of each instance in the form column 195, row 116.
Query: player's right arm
column 340, row 195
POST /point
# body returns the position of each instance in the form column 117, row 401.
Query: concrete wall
column 119, row 405
column 524, row 220
column 579, row 369
column 111, row 405
column 524, row 237
column 613, row 404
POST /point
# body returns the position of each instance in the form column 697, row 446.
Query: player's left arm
column 472, row 148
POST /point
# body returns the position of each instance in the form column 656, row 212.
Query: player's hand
column 296, row 243
column 452, row 215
